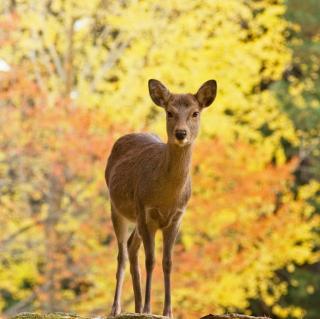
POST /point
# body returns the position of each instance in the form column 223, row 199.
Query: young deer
column 150, row 184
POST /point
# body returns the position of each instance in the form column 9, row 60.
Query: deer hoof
column 168, row 313
column 146, row 310
column 115, row 310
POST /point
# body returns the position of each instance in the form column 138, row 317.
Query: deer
column 149, row 186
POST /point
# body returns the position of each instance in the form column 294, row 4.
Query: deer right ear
column 207, row 93
column 158, row 92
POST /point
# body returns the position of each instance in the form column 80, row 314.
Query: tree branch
column 23, row 229
column 112, row 58
column 20, row 306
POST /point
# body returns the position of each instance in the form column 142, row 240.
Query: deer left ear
column 207, row 93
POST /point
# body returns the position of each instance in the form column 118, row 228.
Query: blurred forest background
column 73, row 78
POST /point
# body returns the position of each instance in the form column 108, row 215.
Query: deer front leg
column 147, row 232
column 169, row 237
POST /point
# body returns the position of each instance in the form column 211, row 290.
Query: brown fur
column 150, row 184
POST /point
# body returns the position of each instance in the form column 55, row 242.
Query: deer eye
column 169, row 114
column 195, row 114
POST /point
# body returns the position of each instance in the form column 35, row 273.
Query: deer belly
column 162, row 218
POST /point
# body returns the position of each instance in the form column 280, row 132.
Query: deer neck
column 177, row 163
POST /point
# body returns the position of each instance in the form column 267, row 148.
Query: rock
column 62, row 315
column 232, row 316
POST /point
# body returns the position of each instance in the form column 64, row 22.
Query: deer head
column 183, row 110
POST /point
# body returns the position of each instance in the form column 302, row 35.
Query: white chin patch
column 181, row 142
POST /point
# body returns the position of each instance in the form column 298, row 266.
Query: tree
column 298, row 95
column 74, row 79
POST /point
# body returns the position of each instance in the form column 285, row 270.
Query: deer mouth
column 181, row 142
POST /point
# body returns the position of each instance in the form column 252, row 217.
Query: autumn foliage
column 73, row 79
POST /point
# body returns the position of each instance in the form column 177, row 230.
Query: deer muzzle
column 180, row 134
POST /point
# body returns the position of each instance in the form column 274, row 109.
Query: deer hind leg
column 134, row 243
column 120, row 226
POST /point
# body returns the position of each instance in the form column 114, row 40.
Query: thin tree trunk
column 51, row 247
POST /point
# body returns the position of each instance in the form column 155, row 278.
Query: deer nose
column 180, row 134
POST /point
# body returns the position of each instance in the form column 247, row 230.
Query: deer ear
column 158, row 92
column 207, row 93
